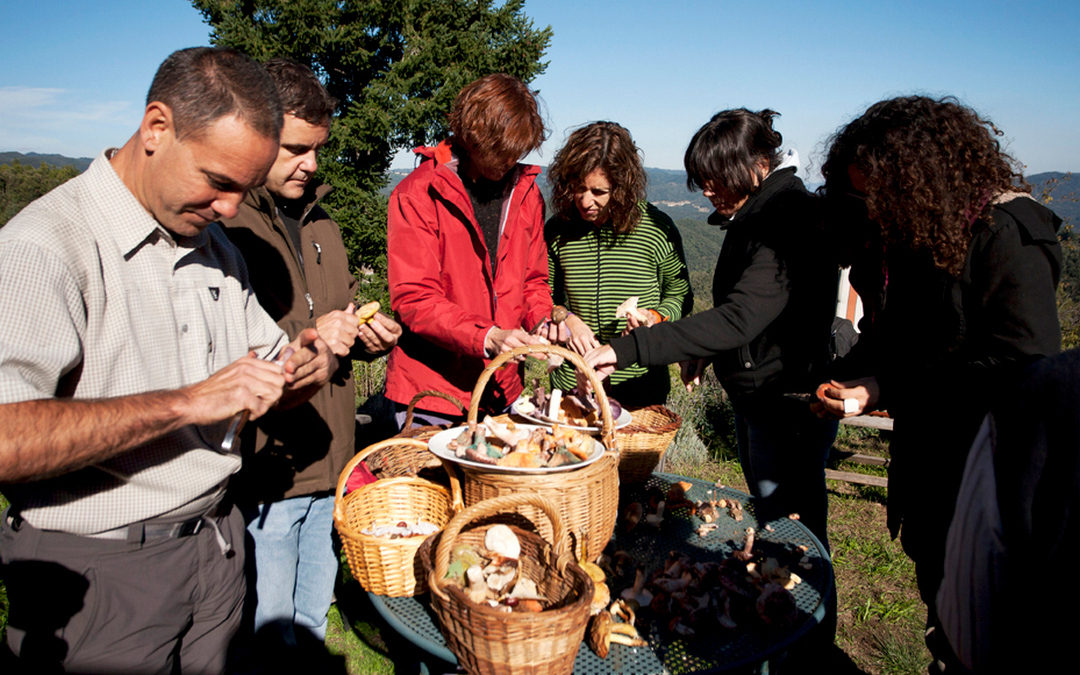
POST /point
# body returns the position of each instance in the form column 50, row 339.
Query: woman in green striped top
column 606, row 244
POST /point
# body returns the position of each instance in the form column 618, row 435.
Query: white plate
column 439, row 444
column 621, row 421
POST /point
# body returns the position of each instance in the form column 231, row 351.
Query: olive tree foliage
column 395, row 67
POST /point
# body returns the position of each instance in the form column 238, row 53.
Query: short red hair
column 497, row 116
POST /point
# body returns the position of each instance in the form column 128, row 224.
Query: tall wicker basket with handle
column 587, row 498
column 390, row 566
column 487, row 640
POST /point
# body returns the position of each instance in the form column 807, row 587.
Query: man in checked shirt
column 130, row 340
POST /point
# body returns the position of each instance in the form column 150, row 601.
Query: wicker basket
column 427, row 431
column 486, row 640
column 587, row 498
column 390, row 566
column 644, row 441
column 409, row 460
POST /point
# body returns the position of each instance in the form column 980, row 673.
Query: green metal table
column 748, row 650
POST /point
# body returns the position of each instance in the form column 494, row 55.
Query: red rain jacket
column 442, row 289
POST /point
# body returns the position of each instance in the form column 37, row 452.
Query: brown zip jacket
column 291, row 453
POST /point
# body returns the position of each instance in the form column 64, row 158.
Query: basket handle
column 491, row 507
column 456, row 503
column 608, row 424
column 424, row 394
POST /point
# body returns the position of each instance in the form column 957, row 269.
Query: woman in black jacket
column 774, row 294
column 958, row 269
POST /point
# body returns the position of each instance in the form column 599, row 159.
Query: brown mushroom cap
column 600, row 634
column 601, row 598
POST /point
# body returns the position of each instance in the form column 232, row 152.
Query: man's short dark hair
column 300, row 91
column 202, row 84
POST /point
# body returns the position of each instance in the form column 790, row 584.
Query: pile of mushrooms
column 496, row 443
column 709, row 510
column 692, row 599
column 490, row 575
column 614, row 625
column 401, row 530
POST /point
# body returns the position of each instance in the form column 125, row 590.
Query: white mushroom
column 525, row 589
column 638, row 593
column 499, row 577
column 477, row 590
column 501, row 540
column 554, row 404
column 629, row 308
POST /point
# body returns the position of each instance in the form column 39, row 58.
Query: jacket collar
column 262, row 200
column 446, row 168
column 777, row 181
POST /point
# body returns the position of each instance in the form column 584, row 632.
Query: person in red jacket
column 467, row 261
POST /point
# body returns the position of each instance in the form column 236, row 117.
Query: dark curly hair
column 931, row 168
column 607, row 146
column 726, row 150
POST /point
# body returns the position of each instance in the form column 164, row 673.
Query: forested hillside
column 21, row 184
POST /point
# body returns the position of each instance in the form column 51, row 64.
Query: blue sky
column 73, row 74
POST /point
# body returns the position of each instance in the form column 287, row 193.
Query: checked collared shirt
column 98, row 300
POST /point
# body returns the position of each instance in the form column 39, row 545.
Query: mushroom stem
column 747, row 551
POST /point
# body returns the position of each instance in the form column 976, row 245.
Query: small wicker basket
column 644, row 441
column 587, row 498
column 487, row 640
column 390, row 566
column 410, row 460
column 427, row 431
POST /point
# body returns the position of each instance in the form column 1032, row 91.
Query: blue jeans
column 782, row 449
column 295, row 564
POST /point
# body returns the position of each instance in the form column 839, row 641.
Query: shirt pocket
column 212, row 321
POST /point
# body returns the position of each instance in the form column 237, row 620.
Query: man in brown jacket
column 300, row 272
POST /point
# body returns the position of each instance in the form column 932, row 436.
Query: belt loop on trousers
column 136, row 533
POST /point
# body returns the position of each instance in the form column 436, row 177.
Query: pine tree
column 395, row 67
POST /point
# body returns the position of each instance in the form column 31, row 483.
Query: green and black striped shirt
column 593, row 271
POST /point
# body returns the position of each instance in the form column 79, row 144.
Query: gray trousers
column 168, row 605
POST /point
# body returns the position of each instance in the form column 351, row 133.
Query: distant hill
column 1063, row 191
column 667, row 188
column 36, row 159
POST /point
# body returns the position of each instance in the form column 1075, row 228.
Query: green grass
column 897, row 656
column 362, row 654
column 871, row 554
column 887, row 608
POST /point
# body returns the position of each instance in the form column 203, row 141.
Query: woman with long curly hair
column 606, row 244
column 958, row 268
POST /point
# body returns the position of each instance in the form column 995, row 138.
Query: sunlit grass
column 899, row 655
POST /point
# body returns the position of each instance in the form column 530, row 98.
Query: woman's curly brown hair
column 607, row 146
column 932, row 167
